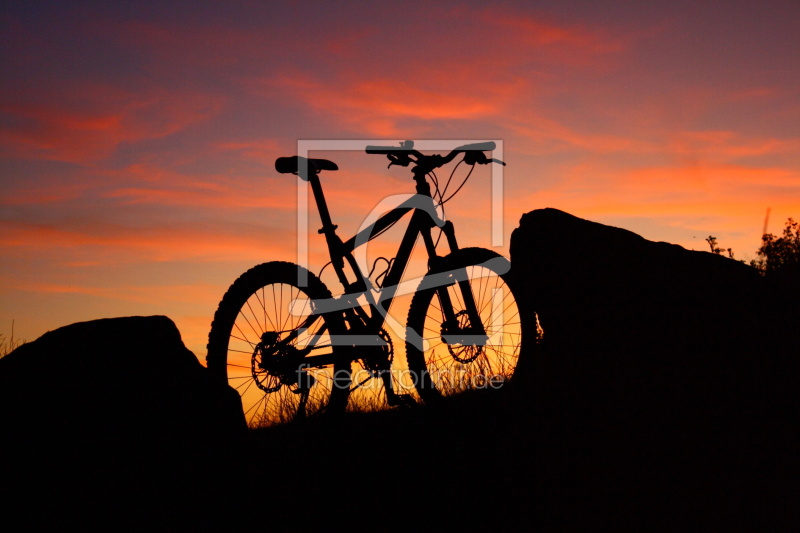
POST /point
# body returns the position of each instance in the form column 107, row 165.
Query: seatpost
column 328, row 228
column 327, row 225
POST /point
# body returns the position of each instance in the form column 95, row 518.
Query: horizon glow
column 137, row 143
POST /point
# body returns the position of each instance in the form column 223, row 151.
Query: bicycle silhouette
column 293, row 350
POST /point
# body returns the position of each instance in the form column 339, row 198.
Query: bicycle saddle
column 294, row 164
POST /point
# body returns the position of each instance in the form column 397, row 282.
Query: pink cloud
column 555, row 136
column 576, row 44
column 208, row 197
column 31, row 195
column 260, row 150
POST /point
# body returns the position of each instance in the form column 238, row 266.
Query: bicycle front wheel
column 269, row 344
column 447, row 353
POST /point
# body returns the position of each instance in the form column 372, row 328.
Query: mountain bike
column 294, row 350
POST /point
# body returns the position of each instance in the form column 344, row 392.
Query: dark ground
column 499, row 460
column 662, row 397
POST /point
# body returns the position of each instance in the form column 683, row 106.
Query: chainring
column 379, row 359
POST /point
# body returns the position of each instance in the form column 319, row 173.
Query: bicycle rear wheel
column 271, row 347
column 448, row 357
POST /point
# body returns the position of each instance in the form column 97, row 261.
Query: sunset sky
column 137, row 140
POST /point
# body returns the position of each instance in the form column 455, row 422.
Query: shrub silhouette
column 779, row 257
column 712, row 242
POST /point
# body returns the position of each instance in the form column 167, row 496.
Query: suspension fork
column 463, row 283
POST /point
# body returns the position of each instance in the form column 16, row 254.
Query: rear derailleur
column 276, row 363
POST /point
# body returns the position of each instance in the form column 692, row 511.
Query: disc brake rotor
column 463, row 353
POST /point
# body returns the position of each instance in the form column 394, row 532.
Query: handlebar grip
column 483, row 147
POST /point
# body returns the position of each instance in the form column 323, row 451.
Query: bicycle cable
column 441, row 193
column 321, row 270
column 449, row 179
column 375, row 264
column 435, row 179
column 436, row 192
column 460, row 186
column 383, row 274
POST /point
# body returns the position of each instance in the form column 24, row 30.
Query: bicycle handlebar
column 386, row 150
column 408, row 147
column 400, row 155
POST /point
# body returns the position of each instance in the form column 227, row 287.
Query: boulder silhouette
column 624, row 315
column 113, row 385
column 114, row 424
column 665, row 383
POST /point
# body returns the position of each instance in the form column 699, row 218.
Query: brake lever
column 397, row 160
column 474, row 156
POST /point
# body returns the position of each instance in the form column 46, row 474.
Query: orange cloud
column 121, row 244
column 487, row 78
column 728, row 145
column 374, row 106
column 139, row 294
column 75, row 131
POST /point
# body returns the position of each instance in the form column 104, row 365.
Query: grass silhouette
column 9, row 344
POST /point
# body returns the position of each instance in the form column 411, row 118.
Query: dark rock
column 624, row 315
column 665, row 382
column 114, row 387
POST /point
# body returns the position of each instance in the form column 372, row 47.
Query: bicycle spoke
column 243, row 340
column 246, row 387
column 241, row 351
column 452, row 368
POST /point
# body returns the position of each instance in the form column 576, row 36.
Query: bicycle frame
column 364, row 327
